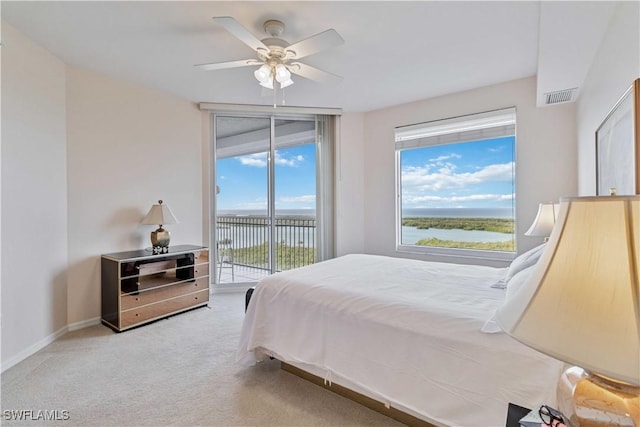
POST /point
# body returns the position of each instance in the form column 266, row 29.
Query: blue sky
column 243, row 180
column 470, row 175
column 477, row 174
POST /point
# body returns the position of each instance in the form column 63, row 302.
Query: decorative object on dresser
column 160, row 215
column 581, row 305
column 138, row 288
column 544, row 221
column 618, row 146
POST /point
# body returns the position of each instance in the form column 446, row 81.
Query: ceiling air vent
column 556, row 97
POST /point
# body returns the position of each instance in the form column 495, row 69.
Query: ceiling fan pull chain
column 275, row 96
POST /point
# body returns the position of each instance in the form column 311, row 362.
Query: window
column 456, row 186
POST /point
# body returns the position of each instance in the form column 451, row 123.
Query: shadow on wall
column 131, row 234
column 58, row 317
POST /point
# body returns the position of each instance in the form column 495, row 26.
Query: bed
column 416, row 336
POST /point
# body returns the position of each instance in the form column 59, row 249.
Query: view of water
column 410, row 235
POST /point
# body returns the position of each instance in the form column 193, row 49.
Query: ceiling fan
column 276, row 58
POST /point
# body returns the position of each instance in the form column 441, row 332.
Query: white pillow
column 517, row 281
column 513, row 285
column 521, row 262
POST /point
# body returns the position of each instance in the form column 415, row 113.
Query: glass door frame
column 271, row 206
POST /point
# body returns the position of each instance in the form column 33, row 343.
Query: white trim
column 209, row 106
column 36, row 347
column 33, row 348
column 83, row 324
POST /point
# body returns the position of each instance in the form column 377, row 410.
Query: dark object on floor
column 247, row 297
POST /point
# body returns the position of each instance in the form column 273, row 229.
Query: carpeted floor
column 175, row 372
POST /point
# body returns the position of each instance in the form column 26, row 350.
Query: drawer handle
column 137, row 315
column 138, row 267
column 137, row 283
column 195, row 284
column 196, row 297
column 137, row 299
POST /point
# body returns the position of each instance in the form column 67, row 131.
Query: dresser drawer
column 201, row 257
column 201, row 270
column 151, row 296
column 162, row 308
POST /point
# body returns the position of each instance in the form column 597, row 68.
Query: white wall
column 350, row 185
column 34, row 197
column 545, row 144
column 128, row 146
column 616, row 66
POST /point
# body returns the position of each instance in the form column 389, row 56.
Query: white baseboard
column 84, row 324
column 34, row 348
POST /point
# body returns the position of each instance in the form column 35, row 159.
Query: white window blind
column 491, row 124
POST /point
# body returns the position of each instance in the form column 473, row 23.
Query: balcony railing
column 244, row 241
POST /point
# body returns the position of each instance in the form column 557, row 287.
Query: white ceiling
column 394, row 52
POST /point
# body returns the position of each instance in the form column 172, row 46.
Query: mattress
column 404, row 332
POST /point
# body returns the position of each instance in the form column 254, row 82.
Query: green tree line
column 497, row 225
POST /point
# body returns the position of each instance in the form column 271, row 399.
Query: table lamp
column 159, row 215
column 544, row 221
column 581, row 305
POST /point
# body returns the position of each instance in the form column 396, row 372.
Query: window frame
column 450, row 252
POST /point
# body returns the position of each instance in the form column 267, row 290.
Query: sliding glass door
column 265, row 203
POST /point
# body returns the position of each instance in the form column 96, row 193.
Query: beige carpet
column 179, row 371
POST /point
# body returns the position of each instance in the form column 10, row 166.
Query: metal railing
column 245, row 240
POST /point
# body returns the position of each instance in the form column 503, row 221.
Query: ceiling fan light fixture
column 268, row 84
column 286, row 83
column 282, row 74
column 263, row 74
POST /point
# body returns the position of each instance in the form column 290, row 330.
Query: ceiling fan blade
column 230, row 64
column 316, row 43
column 240, row 32
column 312, row 73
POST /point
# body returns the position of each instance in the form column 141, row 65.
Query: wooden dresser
column 139, row 287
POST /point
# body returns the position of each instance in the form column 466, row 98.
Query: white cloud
column 445, row 157
column 292, row 161
column 259, row 160
column 420, row 178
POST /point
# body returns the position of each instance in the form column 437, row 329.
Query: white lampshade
column 282, row 74
column 544, row 221
column 159, row 214
column 268, row 84
column 286, row 83
column 263, row 74
column 581, row 304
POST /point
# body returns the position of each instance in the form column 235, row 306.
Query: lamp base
column 160, row 239
column 589, row 400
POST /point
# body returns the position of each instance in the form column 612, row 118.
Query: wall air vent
column 566, row 95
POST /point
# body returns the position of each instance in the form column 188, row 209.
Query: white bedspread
column 404, row 332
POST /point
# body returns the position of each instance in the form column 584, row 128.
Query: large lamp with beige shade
column 160, row 215
column 581, row 305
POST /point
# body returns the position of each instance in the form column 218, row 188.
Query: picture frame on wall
column 618, row 146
